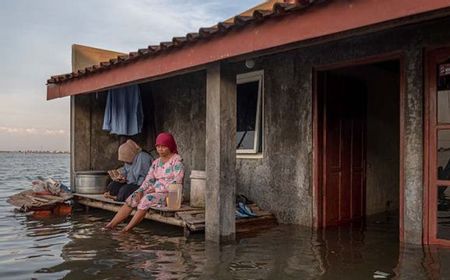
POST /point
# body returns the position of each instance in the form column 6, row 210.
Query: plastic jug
column 174, row 196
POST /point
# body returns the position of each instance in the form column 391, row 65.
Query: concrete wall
column 383, row 143
column 180, row 109
column 94, row 149
column 281, row 181
column 382, row 82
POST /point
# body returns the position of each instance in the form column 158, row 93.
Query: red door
column 343, row 149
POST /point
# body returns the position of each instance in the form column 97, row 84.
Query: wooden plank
column 36, row 199
column 113, row 207
column 98, row 197
column 196, row 227
column 188, row 217
column 184, row 207
column 194, row 220
column 255, row 219
column 193, row 212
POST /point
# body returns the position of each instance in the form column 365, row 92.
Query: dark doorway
column 358, row 129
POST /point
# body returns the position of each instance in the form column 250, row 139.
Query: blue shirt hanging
column 123, row 111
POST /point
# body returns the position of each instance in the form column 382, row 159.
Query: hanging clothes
column 123, row 111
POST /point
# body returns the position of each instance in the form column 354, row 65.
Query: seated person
column 167, row 169
column 128, row 178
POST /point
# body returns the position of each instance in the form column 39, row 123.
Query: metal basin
column 91, row 182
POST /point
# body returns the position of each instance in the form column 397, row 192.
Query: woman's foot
column 108, row 227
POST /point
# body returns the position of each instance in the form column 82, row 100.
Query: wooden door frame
column 432, row 55
column 317, row 156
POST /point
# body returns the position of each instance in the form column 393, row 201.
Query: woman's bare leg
column 121, row 215
column 137, row 218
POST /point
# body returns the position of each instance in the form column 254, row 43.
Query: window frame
column 247, row 78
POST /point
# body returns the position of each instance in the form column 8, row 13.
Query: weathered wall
column 81, row 133
column 382, row 83
column 383, row 146
column 94, row 149
column 180, row 108
column 282, row 180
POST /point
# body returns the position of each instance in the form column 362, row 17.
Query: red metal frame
column 433, row 57
column 317, row 154
column 402, row 109
column 316, row 183
column 330, row 18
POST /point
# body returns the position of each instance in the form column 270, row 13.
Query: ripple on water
column 75, row 247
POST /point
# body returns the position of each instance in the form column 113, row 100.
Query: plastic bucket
column 198, row 188
column 174, row 196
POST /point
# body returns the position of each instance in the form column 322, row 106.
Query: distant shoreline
column 37, row 152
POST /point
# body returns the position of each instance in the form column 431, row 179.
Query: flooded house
column 322, row 112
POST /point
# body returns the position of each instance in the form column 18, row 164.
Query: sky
column 35, row 43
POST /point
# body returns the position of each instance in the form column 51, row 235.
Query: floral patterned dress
column 155, row 185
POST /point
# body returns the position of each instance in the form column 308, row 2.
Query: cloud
column 34, row 131
column 19, row 138
column 36, row 39
column 55, row 132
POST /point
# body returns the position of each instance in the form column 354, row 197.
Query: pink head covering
column 166, row 139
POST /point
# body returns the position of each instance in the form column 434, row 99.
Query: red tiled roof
column 204, row 33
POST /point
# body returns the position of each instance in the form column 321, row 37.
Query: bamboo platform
column 189, row 218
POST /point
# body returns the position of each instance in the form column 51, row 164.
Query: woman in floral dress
column 167, row 169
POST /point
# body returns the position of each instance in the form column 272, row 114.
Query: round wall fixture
column 249, row 63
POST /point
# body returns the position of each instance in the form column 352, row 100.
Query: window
column 249, row 113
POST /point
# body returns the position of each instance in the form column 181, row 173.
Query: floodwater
column 74, row 247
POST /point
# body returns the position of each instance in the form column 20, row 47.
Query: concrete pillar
column 413, row 148
column 72, row 143
column 220, row 154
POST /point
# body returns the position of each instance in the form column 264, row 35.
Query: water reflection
column 74, row 247
column 152, row 251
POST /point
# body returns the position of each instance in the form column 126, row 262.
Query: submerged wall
column 383, row 143
column 94, row 149
column 281, row 180
column 179, row 107
column 176, row 105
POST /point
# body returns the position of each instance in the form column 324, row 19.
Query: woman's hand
column 121, row 179
column 139, row 196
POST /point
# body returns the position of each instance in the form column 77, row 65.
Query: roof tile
column 242, row 20
column 192, row 36
column 165, row 45
column 203, row 33
column 261, row 14
column 206, row 31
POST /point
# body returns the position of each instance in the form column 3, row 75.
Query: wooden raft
column 29, row 201
column 189, row 218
